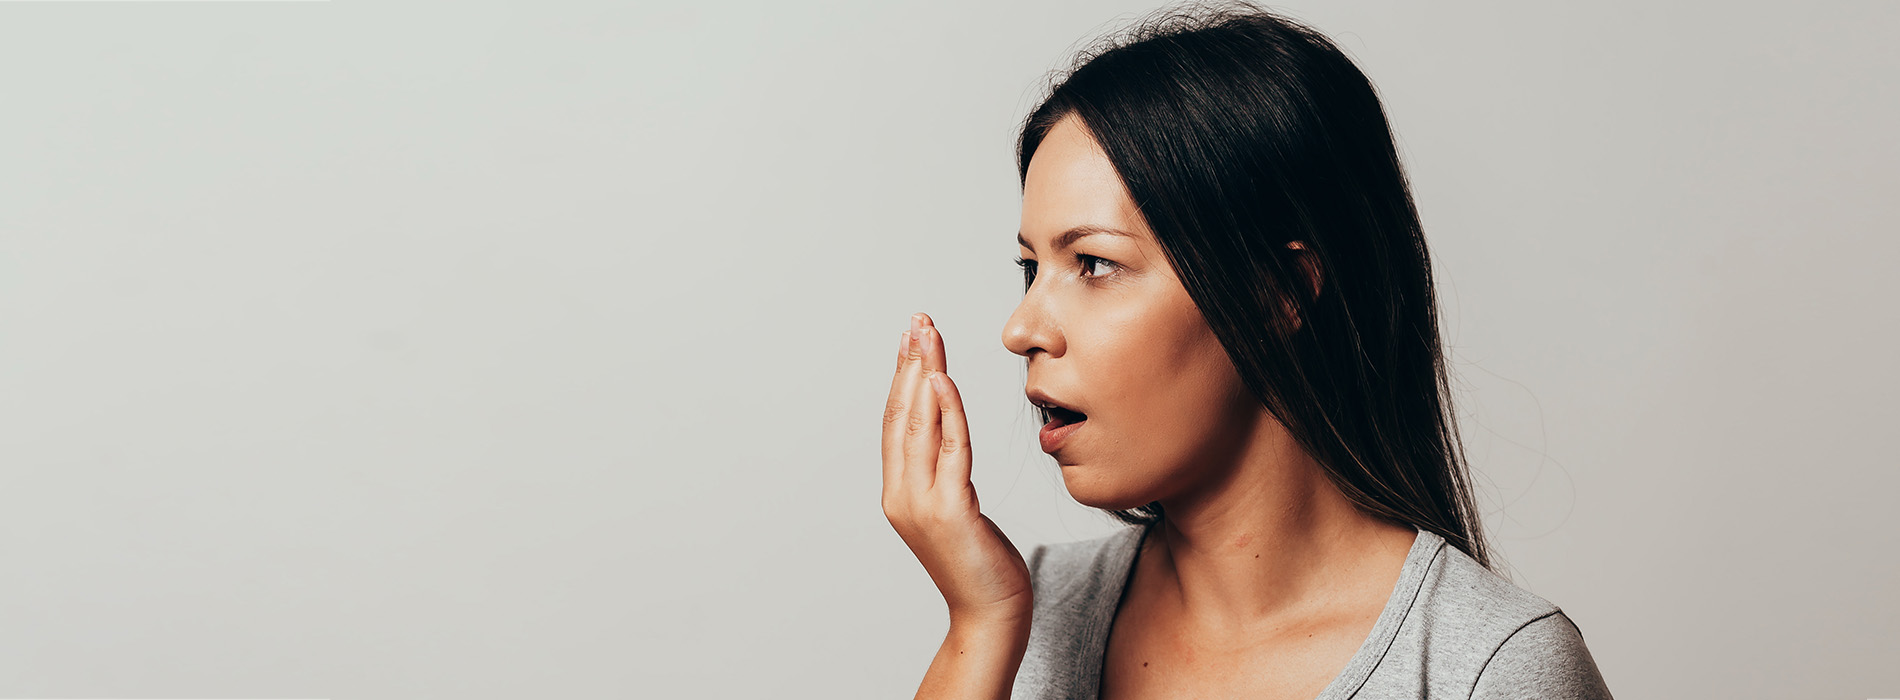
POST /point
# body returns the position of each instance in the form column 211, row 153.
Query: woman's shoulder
column 1075, row 588
column 1459, row 588
column 1067, row 571
column 1472, row 633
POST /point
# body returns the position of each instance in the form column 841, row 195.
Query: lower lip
column 1052, row 437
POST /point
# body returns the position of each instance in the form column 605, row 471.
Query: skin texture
column 1263, row 581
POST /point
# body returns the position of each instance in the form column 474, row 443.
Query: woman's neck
column 1276, row 542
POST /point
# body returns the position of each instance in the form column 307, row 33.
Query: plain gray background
column 494, row 350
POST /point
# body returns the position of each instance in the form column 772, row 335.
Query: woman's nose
column 1031, row 328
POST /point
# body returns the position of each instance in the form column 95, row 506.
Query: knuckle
column 915, row 424
column 952, row 445
column 894, row 410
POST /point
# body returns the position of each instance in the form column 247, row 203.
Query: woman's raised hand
column 928, row 497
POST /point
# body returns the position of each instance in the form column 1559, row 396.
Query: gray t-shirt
column 1452, row 629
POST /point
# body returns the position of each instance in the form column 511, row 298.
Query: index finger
column 953, row 462
column 935, row 359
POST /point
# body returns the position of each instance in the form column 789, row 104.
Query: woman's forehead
column 1070, row 183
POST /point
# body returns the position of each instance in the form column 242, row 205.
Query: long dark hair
column 1237, row 131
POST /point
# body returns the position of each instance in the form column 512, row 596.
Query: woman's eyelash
column 1029, row 271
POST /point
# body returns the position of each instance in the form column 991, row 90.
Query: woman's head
column 1216, row 225
column 1116, row 346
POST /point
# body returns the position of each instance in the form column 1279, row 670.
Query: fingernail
column 916, row 321
column 903, row 343
column 924, row 345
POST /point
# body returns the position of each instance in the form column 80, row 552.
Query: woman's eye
column 1091, row 263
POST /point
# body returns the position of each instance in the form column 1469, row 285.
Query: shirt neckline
column 1426, row 546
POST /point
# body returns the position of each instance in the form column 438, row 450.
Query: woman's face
column 1110, row 333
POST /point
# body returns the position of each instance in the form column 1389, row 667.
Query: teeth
column 1040, row 404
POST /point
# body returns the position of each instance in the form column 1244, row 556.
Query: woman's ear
column 1307, row 264
column 1309, row 267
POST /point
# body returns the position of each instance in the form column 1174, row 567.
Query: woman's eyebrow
column 1069, row 237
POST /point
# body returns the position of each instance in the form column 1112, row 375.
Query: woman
column 1232, row 339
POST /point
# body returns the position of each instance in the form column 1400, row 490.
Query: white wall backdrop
column 493, row 350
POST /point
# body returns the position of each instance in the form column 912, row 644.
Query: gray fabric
column 1451, row 629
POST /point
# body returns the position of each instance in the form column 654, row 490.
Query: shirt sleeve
column 1545, row 658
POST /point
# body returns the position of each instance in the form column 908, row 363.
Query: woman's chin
column 1104, row 494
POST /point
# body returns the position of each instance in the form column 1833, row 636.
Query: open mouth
column 1059, row 421
column 1059, row 416
column 1062, row 423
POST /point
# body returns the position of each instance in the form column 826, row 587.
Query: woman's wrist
column 979, row 659
column 1010, row 631
column 998, row 619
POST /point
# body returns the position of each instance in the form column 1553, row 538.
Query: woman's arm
column 976, row 661
column 930, row 502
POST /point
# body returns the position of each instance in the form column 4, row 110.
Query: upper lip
column 1043, row 400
